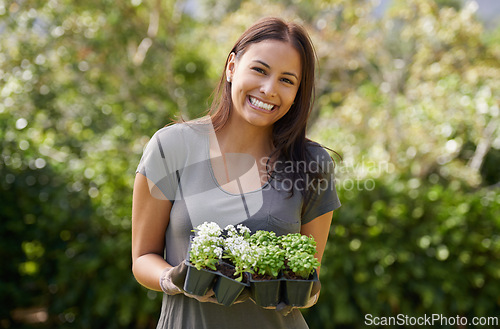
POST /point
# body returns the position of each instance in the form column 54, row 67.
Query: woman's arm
column 150, row 217
column 319, row 228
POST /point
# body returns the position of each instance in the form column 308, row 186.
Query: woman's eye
column 258, row 69
column 285, row 80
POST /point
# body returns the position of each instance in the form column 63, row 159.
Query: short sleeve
column 159, row 163
column 324, row 198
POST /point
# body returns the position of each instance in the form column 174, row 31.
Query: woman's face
column 265, row 81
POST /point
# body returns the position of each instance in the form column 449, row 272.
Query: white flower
column 208, row 229
column 243, row 229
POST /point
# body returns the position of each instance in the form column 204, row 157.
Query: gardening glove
column 316, row 287
column 209, row 297
column 285, row 309
column 172, row 281
column 244, row 296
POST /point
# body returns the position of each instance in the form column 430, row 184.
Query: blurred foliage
column 411, row 101
column 411, row 249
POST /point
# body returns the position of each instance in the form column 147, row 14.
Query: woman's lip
column 258, row 108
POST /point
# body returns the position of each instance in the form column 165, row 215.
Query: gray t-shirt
column 177, row 164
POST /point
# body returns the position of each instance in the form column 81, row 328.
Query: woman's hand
column 172, row 279
column 172, row 283
column 209, row 297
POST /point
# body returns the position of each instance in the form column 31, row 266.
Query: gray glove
column 172, row 281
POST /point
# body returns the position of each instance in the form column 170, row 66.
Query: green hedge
column 430, row 249
column 61, row 256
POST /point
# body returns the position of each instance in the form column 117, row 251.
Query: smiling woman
column 228, row 168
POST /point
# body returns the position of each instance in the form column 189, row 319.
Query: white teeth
column 262, row 105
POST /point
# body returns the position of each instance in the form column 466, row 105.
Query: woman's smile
column 260, row 105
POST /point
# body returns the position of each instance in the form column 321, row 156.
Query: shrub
column 401, row 250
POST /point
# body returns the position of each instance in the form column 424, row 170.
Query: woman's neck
column 252, row 140
column 228, row 145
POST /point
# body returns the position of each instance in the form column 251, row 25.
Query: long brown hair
column 289, row 132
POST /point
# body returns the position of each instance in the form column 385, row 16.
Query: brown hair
column 289, row 132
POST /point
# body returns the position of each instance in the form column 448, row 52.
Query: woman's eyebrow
column 268, row 67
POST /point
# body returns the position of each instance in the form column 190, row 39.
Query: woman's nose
column 268, row 88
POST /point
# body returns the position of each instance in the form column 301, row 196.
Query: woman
column 247, row 162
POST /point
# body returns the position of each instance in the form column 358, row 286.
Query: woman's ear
column 231, row 62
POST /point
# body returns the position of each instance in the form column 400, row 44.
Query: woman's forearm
column 147, row 270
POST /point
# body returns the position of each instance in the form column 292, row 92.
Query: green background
column 408, row 96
